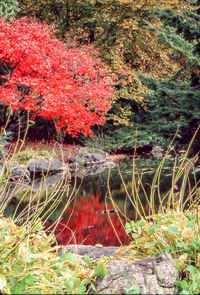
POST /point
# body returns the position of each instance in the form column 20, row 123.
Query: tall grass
column 29, row 262
column 166, row 222
column 32, row 207
column 182, row 194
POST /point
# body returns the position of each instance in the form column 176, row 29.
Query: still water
column 102, row 203
column 101, row 200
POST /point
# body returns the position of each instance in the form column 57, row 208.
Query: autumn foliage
column 41, row 75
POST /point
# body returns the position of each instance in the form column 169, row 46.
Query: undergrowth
column 175, row 232
column 170, row 222
column 30, row 265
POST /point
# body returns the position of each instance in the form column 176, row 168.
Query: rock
column 88, row 162
column 86, row 157
column 157, row 151
column 81, row 172
column 20, row 173
column 156, row 275
column 92, row 251
column 44, row 166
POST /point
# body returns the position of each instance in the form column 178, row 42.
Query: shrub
column 41, row 75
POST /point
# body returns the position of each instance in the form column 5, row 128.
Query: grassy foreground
column 30, row 265
column 174, row 232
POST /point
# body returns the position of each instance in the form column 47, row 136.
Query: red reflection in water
column 86, row 226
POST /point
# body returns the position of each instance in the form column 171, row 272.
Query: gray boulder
column 44, row 166
column 84, row 171
column 89, row 162
column 92, row 251
column 87, row 157
column 20, row 173
column 156, row 275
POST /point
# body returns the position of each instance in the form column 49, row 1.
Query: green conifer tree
column 175, row 103
column 9, row 8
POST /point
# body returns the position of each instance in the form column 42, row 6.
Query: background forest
column 152, row 52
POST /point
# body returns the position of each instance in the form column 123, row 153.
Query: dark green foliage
column 175, row 103
column 125, row 139
column 186, row 23
column 8, row 8
column 172, row 105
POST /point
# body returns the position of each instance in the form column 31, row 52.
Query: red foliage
column 40, row 74
column 86, row 226
column 183, row 63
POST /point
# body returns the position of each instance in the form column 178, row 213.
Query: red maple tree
column 40, row 74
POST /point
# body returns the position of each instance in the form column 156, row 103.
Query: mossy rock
column 24, row 156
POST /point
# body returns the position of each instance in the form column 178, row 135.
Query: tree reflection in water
column 83, row 223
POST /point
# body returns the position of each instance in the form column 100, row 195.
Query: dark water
column 103, row 203
column 100, row 203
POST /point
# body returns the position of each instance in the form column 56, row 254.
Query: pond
column 102, row 203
